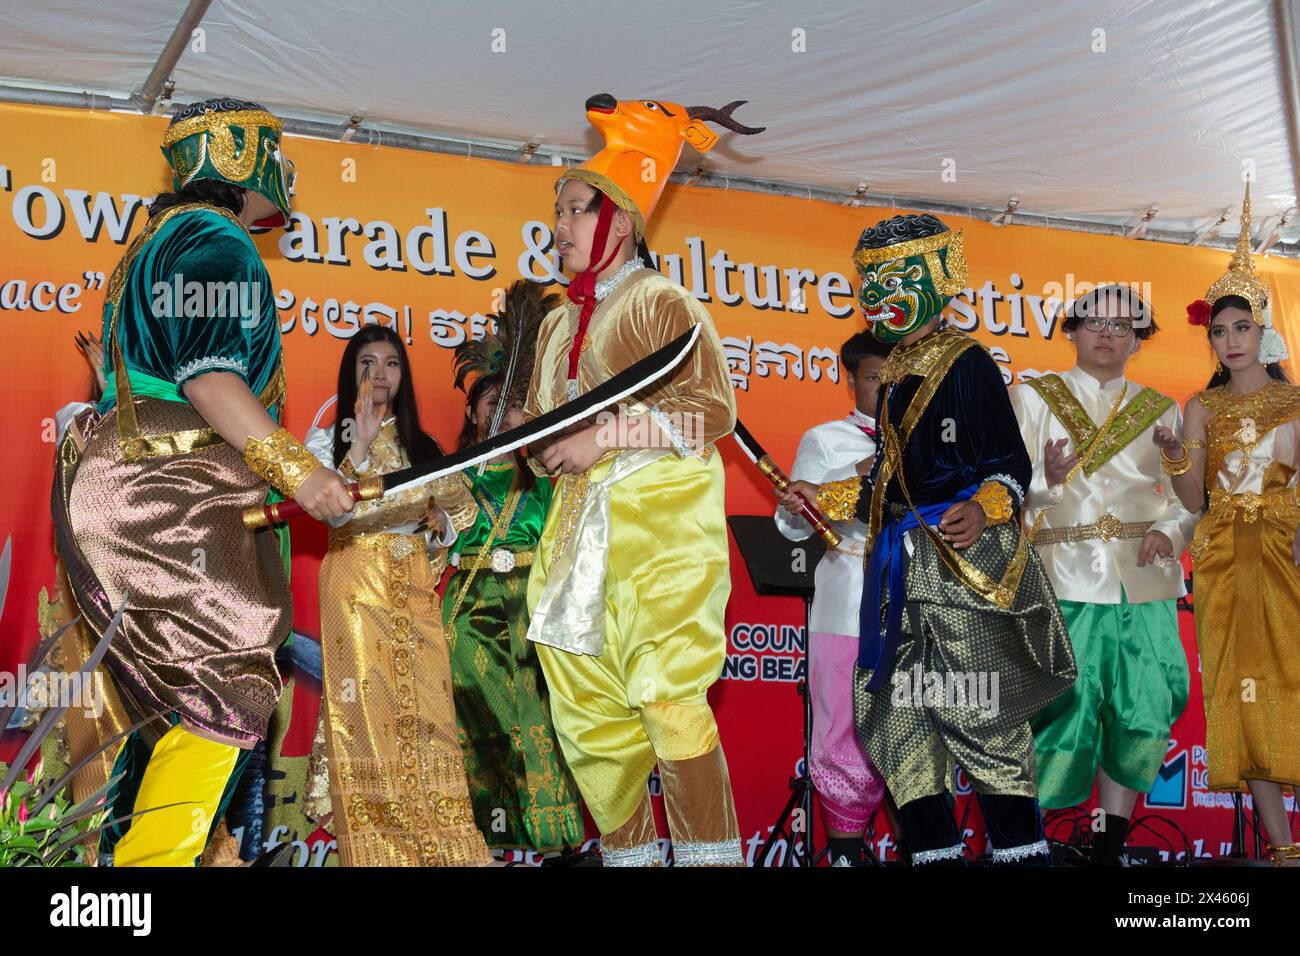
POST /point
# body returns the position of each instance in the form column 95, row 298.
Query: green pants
column 1132, row 685
column 523, row 794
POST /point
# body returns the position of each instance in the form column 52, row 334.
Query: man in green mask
column 148, row 513
column 961, row 640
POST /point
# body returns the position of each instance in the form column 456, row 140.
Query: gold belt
column 1105, row 528
column 1250, row 502
column 500, row 560
column 850, row 547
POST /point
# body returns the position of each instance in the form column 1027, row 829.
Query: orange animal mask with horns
column 643, row 141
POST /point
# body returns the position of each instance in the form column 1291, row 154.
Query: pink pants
column 849, row 784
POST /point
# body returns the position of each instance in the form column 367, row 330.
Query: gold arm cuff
column 994, row 498
column 280, row 459
column 838, row 500
column 1193, row 443
column 1179, row 467
column 1105, row 528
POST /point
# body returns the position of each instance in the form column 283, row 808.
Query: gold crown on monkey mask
column 643, row 141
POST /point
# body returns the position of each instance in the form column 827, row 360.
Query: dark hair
column 859, row 346
column 1221, row 375
column 1085, row 307
column 419, row 445
column 469, row 430
column 213, row 192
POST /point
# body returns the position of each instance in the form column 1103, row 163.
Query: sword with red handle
column 630, row 380
column 755, row 453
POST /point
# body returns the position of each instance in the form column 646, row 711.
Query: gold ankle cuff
column 1286, row 851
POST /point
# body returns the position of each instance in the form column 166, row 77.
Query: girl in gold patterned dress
column 1241, row 454
column 397, row 779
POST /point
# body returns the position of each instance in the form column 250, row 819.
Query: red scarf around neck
column 582, row 288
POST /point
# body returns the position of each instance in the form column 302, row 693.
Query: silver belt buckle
column 503, row 560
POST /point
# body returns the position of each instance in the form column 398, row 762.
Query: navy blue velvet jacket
column 967, row 436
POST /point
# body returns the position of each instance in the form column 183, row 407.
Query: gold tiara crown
column 1241, row 279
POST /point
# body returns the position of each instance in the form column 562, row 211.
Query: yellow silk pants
column 644, row 699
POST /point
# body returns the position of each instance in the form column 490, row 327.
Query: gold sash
column 938, row 359
column 1107, row 441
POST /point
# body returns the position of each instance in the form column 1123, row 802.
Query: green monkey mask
column 910, row 267
column 231, row 141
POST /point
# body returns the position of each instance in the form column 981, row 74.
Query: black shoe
column 281, row 856
column 571, row 857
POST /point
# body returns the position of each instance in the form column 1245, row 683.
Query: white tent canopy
column 1092, row 115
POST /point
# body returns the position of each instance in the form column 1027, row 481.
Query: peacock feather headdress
column 508, row 353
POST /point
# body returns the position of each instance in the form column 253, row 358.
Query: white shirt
column 1132, row 486
column 829, row 452
column 320, row 442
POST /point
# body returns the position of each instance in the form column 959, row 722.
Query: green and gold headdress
column 232, row 141
column 910, row 267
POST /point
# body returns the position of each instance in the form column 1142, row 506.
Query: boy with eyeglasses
column 1109, row 529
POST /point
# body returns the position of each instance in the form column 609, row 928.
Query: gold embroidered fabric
column 281, row 460
column 1128, row 489
column 838, row 500
column 920, row 358
column 645, row 311
column 1098, row 445
column 931, row 358
column 1106, row 528
column 386, row 456
column 1247, row 589
column 397, row 777
column 995, row 501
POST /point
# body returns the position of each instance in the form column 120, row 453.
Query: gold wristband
column 838, row 500
column 1175, row 468
column 280, row 459
column 348, row 469
column 995, row 501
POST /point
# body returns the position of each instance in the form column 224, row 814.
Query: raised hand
column 1164, row 438
column 93, row 350
column 1056, row 463
column 367, row 418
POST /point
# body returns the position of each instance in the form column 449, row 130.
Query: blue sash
column 875, row 650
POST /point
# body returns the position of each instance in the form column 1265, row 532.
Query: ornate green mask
column 910, row 267
column 235, row 142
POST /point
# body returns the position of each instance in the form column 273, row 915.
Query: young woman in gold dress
column 1240, row 456
column 397, row 779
